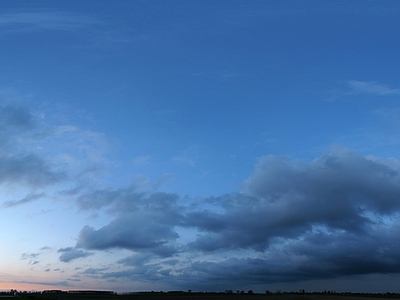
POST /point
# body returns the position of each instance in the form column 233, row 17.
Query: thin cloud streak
column 27, row 199
column 373, row 88
column 33, row 21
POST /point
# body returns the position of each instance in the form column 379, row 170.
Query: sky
column 203, row 145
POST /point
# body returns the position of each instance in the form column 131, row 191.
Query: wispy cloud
column 141, row 160
column 37, row 155
column 187, row 157
column 29, row 255
column 28, row 198
column 182, row 160
column 48, row 283
column 33, row 21
column 32, row 257
column 371, row 87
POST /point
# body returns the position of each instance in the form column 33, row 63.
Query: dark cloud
column 16, row 123
column 16, row 116
column 136, row 259
column 144, row 222
column 96, row 273
column 129, row 232
column 74, row 279
column 313, row 256
column 162, row 206
column 343, row 178
column 150, row 273
column 286, row 199
column 334, row 216
column 28, row 169
column 92, row 271
column 70, row 253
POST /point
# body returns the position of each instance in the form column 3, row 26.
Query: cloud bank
column 334, row 216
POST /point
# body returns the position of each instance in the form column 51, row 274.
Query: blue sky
column 204, row 145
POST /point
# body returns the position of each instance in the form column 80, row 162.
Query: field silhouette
column 195, row 296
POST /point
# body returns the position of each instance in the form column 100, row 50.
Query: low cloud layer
column 334, row 216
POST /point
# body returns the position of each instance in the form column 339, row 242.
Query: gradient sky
column 204, row 145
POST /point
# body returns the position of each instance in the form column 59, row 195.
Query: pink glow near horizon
column 28, row 287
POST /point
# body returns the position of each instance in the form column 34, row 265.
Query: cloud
column 188, row 157
column 49, row 283
column 16, row 116
column 94, row 271
column 21, row 163
column 374, row 88
column 336, row 215
column 27, row 199
column 106, row 197
column 46, row 248
column 339, row 179
column 182, row 160
column 40, row 152
column 29, row 255
column 312, row 256
column 32, row 258
column 136, row 259
column 141, row 160
column 130, row 232
column 15, row 122
column 285, row 199
column 144, row 222
column 29, row 169
column 158, row 206
column 69, row 254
